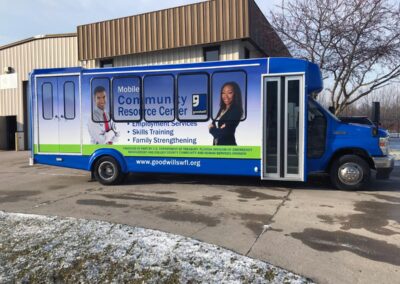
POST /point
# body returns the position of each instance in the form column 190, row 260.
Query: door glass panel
column 272, row 128
column 69, row 100
column 69, row 123
column 47, row 115
column 293, row 139
column 47, row 100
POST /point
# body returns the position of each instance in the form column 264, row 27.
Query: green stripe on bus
column 49, row 148
column 228, row 152
column 55, row 148
column 233, row 152
column 70, row 148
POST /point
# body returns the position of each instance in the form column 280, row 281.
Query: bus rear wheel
column 350, row 172
column 107, row 171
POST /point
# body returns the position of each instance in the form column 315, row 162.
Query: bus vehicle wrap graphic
column 166, row 114
column 251, row 117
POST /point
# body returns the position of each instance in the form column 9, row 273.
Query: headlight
column 384, row 145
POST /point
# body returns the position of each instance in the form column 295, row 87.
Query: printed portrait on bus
column 228, row 102
column 101, row 128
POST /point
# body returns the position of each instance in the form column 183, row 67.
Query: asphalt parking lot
column 311, row 229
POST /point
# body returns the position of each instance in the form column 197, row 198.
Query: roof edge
column 37, row 37
column 145, row 13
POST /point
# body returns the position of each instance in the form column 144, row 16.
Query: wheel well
column 113, row 154
column 351, row 151
column 95, row 161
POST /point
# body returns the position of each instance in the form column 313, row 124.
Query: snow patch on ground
column 52, row 249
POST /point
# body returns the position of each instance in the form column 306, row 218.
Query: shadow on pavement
column 320, row 182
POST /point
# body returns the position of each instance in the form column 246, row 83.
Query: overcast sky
column 20, row 19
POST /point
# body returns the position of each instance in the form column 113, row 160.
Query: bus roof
column 273, row 65
column 314, row 83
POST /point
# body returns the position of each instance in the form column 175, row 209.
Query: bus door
column 58, row 108
column 283, row 127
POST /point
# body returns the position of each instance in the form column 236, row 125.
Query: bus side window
column 193, row 97
column 100, row 97
column 229, row 88
column 158, row 96
column 47, row 101
column 126, row 99
column 69, row 100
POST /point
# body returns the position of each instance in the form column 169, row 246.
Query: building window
column 246, row 53
column 106, row 63
column 211, row 53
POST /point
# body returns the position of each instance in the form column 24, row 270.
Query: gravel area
column 44, row 249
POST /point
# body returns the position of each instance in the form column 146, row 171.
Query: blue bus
column 251, row 117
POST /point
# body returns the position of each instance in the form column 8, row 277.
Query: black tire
column 350, row 172
column 107, row 171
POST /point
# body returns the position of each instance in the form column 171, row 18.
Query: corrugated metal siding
column 189, row 54
column 197, row 24
column 229, row 51
column 39, row 53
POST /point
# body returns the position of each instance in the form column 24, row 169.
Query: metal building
column 215, row 30
column 205, row 31
column 17, row 60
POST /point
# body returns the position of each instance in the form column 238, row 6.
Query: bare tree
column 389, row 98
column 355, row 42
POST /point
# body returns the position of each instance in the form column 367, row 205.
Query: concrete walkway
column 311, row 229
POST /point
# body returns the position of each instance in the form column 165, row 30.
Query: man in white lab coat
column 101, row 129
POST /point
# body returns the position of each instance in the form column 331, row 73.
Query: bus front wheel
column 107, row 171
column 350, row 172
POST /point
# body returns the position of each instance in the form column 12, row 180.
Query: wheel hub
column 106, row 170
column 350, row 173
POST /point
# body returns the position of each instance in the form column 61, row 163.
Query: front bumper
column 384, row 166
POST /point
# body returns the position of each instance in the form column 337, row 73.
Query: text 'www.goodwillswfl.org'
column 169, row 162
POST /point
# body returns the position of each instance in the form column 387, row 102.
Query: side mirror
column 376, row 117
column 376, row 113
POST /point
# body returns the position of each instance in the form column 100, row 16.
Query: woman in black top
column 229, row 115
